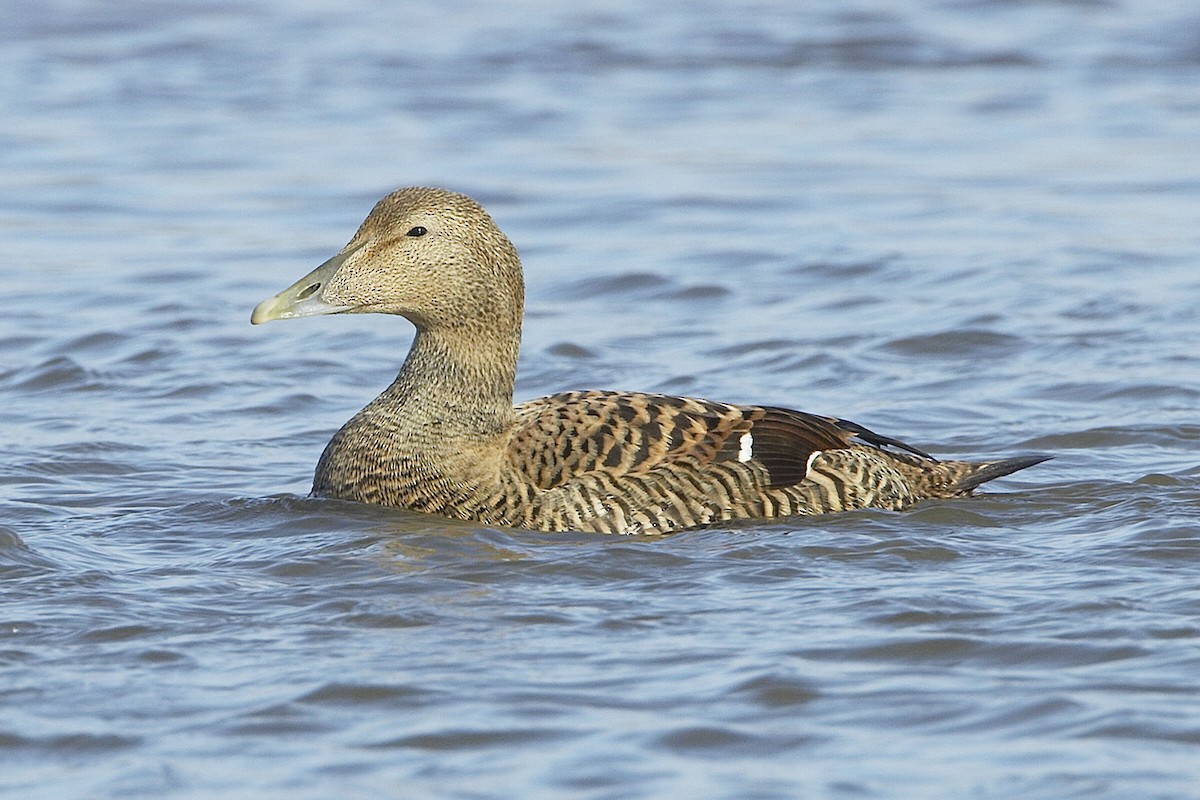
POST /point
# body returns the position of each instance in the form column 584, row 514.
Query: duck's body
column 445, row 438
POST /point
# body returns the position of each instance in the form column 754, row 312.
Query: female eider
column 445, row 438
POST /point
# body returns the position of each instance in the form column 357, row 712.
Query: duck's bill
column 304, row 298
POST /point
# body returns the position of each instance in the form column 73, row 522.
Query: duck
column 446, row 439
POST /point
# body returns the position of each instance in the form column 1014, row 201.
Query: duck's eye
column 417, row 231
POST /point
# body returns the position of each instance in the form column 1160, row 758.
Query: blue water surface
column 972, row 225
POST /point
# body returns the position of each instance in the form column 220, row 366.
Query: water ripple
column 968, row 224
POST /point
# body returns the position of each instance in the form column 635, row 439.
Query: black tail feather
column 998, row 469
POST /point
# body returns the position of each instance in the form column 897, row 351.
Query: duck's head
column 431, row 255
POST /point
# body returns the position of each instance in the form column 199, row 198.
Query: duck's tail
column 976, row 474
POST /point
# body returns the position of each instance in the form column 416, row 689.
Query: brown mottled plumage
column 445, row 439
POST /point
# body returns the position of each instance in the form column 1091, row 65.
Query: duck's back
column 621, row 462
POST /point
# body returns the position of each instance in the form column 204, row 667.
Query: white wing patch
column 746, row 447
column 811, row 458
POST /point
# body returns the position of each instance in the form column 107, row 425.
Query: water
column 972, row 225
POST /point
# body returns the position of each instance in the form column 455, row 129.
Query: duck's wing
column 562, row 437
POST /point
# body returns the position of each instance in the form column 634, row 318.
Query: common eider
column 445, row 438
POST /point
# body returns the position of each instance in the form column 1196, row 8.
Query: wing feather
column 564, row 436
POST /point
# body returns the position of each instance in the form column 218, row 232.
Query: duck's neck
column 453, row 386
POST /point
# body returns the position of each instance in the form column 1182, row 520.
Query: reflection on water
column 971, row 225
